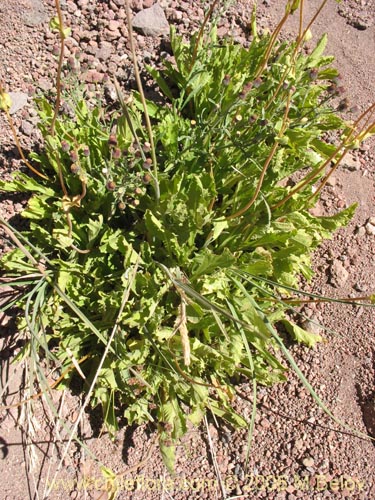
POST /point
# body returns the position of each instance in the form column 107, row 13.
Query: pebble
column 152, row 21
column 351, row 163
column 312, row 325
column 27, row 128
column 370, row 226
column 19, row 100
column 338, row 274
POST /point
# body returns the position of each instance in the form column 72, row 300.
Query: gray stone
column 370, row 228
column 27, row 128
column 351, row 163
column 151, row 22
column 339, row 275
column 104, row 52
column 312, row 326
column 36, row 15
column 19, row 100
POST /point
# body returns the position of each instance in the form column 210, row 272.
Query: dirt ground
column 297, row 451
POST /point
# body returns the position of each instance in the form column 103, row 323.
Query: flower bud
column 74, row 156
column 111, row 186
column 257, row 82
column 112, row 141
column 65, row 146
column 121, row 206
column 116, row 154
column 147, row 163
column 147, row 178
column 86, row 151
column 146, row 147
column 308, row 36
column 226, row 80
column 74, row 168
column 138, row 191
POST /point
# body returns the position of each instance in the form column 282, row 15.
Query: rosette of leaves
column 212, row 252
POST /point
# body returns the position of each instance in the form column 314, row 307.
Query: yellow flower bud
column 5, row 101
column 308, row 36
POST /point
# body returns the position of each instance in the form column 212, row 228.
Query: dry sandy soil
column 297, row 451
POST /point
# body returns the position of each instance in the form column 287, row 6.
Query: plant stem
column 344, row 146
column 266, row 164
column 59, row 66
column 143, row 100
column 200, row 33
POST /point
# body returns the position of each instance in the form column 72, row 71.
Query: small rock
column 331, row 181
column 360, row 231
column 93, row 76
column 104, row 52
column 308, row 462
column 114, row 25
column 370, row 229
column 351, row 163
column 27, row 128
column 298, row 444
column 36, row 14
column 265, row 423
column 317, row 211
column 338, row 274
column 19, row 100
column 152, row 21
column 312, row 326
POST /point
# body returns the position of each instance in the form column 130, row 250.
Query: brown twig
column 16, row 140
column 266, row 164
column 52, row 386
column 59, row 66
column 143, row 100
column 200, row 33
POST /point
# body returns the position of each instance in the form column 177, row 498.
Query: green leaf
column 314, row 57
column 300, row 335
column 206, row 262
column 160, row 81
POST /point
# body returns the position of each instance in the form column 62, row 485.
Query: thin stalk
column 334, row 168
column 108, row 347
column 344, row 145
column 344, row 300
column 300, row 29
column 143, row 100
column 16, row 140
column 312, row 21
column 17, row 242
column 299, row 41
column 200, row 33
column 271, row 44
column 266, row 164
column 59, row 66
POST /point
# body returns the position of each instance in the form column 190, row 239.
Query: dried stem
column 266, row 164
column 201, row 31
column 16, row 140
column 143, row 100
column 344, row 146
column 59, row 66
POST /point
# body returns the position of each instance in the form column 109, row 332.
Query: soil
column 297, row 450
